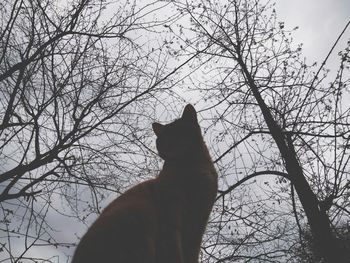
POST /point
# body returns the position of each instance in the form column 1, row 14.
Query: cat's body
column 161, row 220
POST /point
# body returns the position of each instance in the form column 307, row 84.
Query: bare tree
column 277, row 117
column 79, row 82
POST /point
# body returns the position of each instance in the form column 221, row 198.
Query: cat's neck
column 200, row 160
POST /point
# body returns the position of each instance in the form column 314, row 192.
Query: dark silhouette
column 163, row 219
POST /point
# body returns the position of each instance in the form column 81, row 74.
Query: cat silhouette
column 161, row 220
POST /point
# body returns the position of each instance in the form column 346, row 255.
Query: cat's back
column 126, row 225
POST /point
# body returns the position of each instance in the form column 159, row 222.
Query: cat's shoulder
column 140, row 193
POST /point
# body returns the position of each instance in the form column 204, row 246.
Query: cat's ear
column 189, row 114
column 157, row 128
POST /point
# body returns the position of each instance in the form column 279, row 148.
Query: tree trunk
column 324, row 241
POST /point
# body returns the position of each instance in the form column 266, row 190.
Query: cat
column 163, row 219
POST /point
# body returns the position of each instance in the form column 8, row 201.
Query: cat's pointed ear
column 189, row 114
column 157, row 128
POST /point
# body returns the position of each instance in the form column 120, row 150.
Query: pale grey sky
column 320, row 22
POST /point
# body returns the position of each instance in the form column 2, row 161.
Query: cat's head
column 179, row 139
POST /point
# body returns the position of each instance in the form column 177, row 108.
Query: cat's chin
column 177, row 159
column 171, row 156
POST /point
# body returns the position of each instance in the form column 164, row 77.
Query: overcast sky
column 320, row 22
